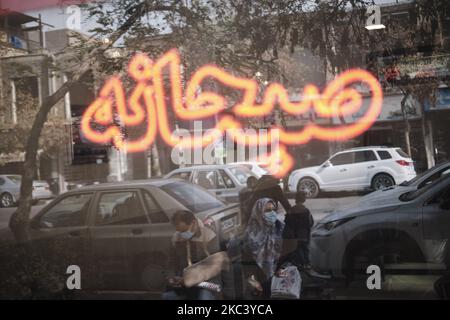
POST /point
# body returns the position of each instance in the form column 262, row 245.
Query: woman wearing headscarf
column 266, row 187
column 262, row 244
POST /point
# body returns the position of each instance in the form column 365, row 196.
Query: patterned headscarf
column 263, row 241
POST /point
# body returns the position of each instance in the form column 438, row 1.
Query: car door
column 362, row 170
column 155, row 263
column 436, row 224
column 337, row 174
column 119, row 231
column 62, row 227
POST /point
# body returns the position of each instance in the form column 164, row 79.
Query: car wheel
column 152, row 277
column 381, row 181
column 380, row 255
column 309, row 186
column 6, row 200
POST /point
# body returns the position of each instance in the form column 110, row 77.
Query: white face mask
column 188, row 234
column 270, row 217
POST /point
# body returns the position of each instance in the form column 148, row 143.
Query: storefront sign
column 410, row 69
column 391, row 110
column 147, row 104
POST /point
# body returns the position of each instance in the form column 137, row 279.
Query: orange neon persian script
column 148, row 105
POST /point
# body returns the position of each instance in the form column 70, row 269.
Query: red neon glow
column 147, row 104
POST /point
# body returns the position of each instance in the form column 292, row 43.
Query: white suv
column 355, row 169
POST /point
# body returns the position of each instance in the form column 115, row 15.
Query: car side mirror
column 444, row 204
column 326, row 164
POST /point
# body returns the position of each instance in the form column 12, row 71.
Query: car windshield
column 411, row 195
column 415, row 179
column 242, row 173
column 444, row 170
column 15, row 179
column 192, row 197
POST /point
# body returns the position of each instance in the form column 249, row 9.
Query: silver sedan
column 10, row 190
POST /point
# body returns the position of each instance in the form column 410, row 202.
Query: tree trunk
column 427, row 141
column 156, row 168
column 407, row 124
column 19, row 222
column 408, row 142
column 20, row 219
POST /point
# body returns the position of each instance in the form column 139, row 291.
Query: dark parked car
column 418, row 182
column 124, row 228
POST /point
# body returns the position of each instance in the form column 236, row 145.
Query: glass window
column 185, row 175
column 411, row 195
column 118, row 208
column 206, row 179
column 156, row 214
column 364, row 156
column 433, row 177
column 402, row 153
column 193, row 198
column 342, row 158
column 226, row 179
column 70, row 211
column 15, row 179
column 2, row 181
column 241, row 173
column 384, row 155
column 219, row 180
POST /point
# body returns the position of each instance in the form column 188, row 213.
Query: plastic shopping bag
column 286, row 284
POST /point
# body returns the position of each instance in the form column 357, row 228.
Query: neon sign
column 147, row 104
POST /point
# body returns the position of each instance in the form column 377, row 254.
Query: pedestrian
column 192, row 242
column 297, row 233
column 244, row 197
column 267, row 187
column 261, row 248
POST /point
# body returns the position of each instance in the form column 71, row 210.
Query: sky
column 58, row 16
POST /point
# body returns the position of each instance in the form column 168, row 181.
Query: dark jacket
column 245, row 195
column 299, row 222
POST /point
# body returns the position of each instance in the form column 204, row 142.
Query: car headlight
column 334, row 224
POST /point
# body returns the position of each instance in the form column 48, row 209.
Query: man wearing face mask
column 192, row 242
